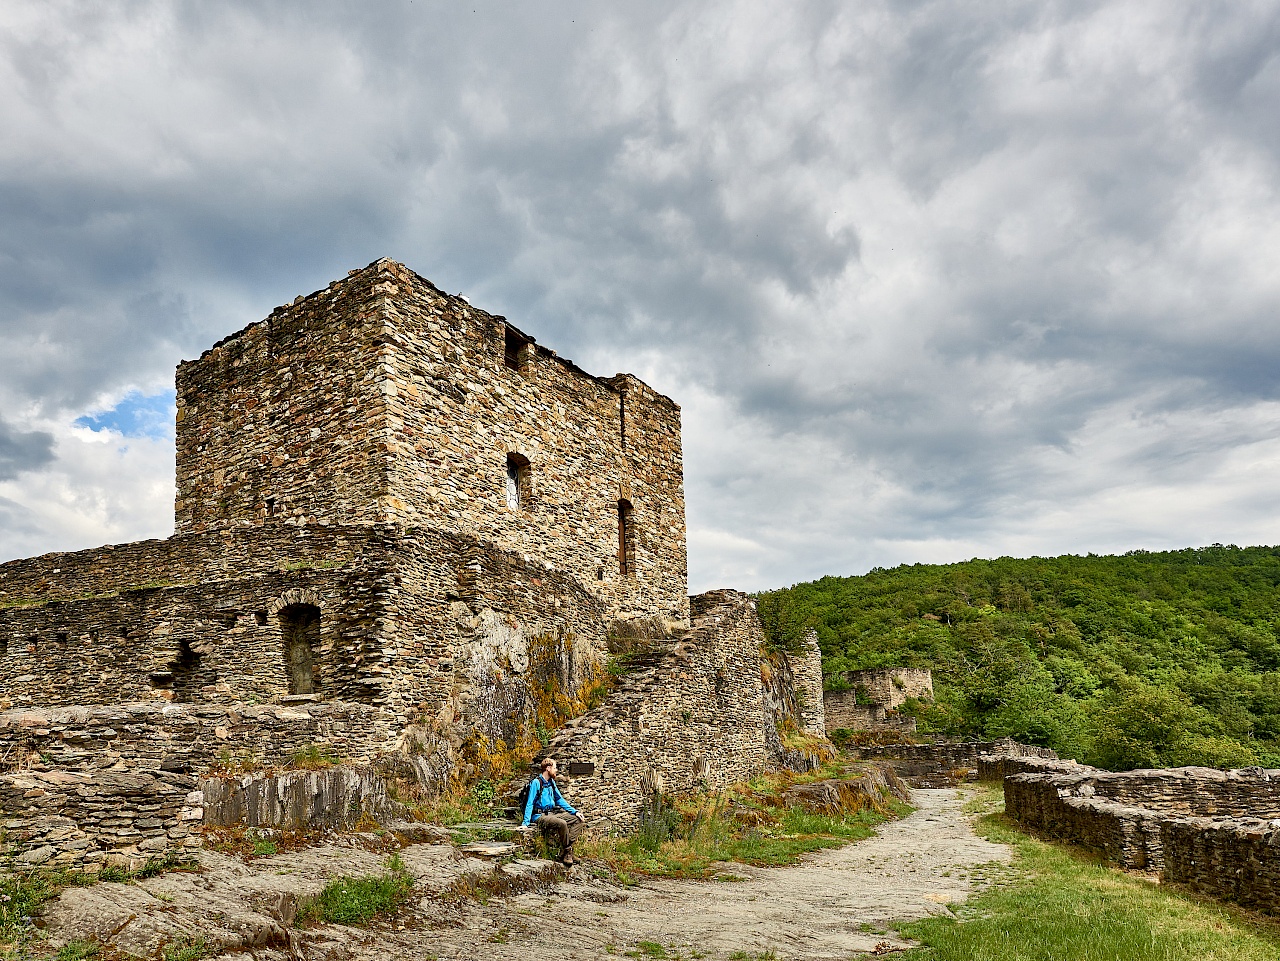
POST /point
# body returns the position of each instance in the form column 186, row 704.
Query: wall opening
column 626, row 539
column 300, row 625
column 183, row 669
column 515, row 350
column 519, row 482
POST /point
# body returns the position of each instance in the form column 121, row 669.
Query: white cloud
column 931, row 281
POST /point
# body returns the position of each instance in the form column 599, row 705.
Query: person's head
column 548, row 767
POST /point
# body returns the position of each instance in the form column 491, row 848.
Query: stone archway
column 298, row 613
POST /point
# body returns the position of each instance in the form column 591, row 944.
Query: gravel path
column 837, row 903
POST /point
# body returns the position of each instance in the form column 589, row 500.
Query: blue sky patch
column 136, row 416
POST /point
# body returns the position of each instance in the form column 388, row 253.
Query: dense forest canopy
column 1142, row 660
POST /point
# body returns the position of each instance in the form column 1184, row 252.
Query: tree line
column 1141, row 660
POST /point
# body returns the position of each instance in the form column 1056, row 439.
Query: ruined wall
column 689, row 715
column 83, row 786
column 843, row 712
column 1156, row 821
column 921, row 763
column 478, row 630
column 199, row 633
column 806, row 669
column 381, row 399
column 891, row 687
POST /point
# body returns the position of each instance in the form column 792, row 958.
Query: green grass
column 1059, row 905
column 21, row 897
column 77, row 951
column 187, row 949
column 313, row 757
column 359, row 900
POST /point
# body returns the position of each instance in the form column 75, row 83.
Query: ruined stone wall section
column 1212, row 830
column 84, row 786
column 457, row 411
column 692, row 717
column 891, row 687
column 806, row 668
column 463, row 623
column 220, row 642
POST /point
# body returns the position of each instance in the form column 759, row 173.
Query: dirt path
column 838, row 903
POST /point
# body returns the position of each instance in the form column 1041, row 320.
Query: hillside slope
column 1141, row 660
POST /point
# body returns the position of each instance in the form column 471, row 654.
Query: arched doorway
column 300, row 627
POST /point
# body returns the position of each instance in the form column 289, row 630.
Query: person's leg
column 554, row 826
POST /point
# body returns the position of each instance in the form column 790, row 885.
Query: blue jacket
column 543, row 796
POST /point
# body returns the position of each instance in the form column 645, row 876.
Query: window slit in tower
column 518, row 484
column 626, row 539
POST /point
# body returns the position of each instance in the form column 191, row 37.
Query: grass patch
column 77, row 951
column 187, row 949
column 349, row 900
column 313, row 757
column 748, row 823
column 1060, row 905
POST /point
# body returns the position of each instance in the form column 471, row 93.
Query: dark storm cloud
column 919, row 272
column 23, row 450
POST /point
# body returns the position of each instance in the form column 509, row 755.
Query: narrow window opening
column 4, row 646
column 261, row 618
column 62, row 637
column 514, row 352
column 626, row 539
column 300, row 627
column 271, row 506
column 519, row 482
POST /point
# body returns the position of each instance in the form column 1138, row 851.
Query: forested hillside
column 1144, row 660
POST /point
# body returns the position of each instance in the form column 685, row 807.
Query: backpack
column 523, row 797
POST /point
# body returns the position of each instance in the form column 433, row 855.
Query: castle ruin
column 408, row 533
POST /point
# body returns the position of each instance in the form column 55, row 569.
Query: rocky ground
column 836, row 904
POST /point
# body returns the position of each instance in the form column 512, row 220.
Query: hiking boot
column 568, row 860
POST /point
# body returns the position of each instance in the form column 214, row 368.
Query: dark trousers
column 560, row 827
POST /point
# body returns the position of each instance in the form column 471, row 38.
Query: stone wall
column 915, row 762
column 843, row 712
column 382, row 399
column 869, row 700
column 892, row 686
column 84, row 786
column 1156, row 821
column 691, row 714
column 806, row 670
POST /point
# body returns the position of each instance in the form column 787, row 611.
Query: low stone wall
column 920, row 763
column 1238, row 861
column 82, row 820
column 1140, row 820
column 86, row 785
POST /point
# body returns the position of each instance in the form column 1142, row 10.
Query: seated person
column 555, row 816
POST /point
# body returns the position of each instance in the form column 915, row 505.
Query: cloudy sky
column 931, row 280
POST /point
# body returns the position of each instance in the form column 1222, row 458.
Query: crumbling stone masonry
column 1215, row 831
column 399, row 523
column 869, row 700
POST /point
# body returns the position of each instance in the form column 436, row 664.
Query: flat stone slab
column 490, row 849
